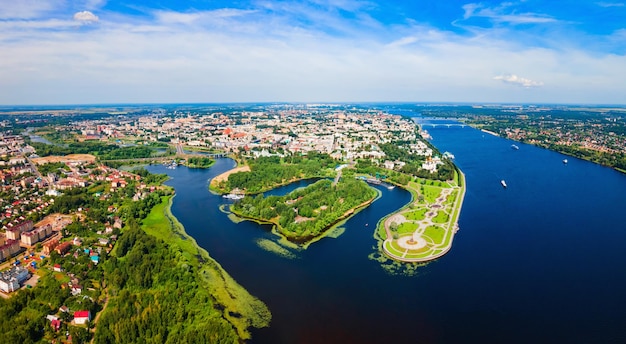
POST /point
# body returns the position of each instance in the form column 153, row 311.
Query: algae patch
column 336, row 232
column 271, row 246
column 394, row 267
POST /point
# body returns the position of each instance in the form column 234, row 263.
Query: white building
column 11, row 280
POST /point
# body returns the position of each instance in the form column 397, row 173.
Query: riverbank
column 424, row 229
column 238, row 307
column 214, row 185
column 489, row 132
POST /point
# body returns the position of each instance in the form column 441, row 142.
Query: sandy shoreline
column 224, row 176
column 489, row 132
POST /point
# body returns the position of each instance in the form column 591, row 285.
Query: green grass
column 407, row 228
column 441, row 217
column 435, row 233
column 451, row 197
column 431, row 193
column 61, row 277
column 393, row 248
column 416, row 215
column 159, row 224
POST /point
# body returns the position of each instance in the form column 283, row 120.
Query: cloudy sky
column 98, row 51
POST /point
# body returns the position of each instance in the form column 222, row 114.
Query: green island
column 421, row 231
column 199, row 162
column 305, row 214
column 424, row 229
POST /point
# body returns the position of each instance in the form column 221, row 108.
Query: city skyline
column 93, row 51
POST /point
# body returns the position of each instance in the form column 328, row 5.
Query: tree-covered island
column 307, row 213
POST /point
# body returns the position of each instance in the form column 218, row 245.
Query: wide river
column 540, row 261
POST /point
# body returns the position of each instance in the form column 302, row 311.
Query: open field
column 64, row 158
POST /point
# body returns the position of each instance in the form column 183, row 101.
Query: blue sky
column 99, row 51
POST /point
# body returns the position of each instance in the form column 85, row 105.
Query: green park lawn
column 407, row 228
column 416, row 215
column 431, row 193
column 441, row 217
column 435, row 233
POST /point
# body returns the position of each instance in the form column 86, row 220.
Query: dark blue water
column 540, row 261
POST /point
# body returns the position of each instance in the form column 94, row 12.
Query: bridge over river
column 440, row 122
column 447, row 125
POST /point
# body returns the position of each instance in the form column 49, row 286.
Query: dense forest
column 158, row 297
column 307, row 212
column 103, row 151
column 268, row 172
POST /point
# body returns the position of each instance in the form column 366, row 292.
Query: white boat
column 514, row 146
column 503, row 183
column 565, row 161
column 233, row 196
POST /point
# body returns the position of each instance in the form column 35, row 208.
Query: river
column 539, row 261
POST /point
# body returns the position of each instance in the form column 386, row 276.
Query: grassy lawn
column 435, row 233
column 407, row 228
column 451, row 197
column 431, row 193
column 416, row 215
column 160, row 225
column 441, row 217
column 393, row 248
column 61, row 277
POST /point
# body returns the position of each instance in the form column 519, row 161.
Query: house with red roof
column 81, row 317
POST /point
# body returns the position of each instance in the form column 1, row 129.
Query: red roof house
column 81, row 317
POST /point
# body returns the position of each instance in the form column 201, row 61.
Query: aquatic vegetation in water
column 394, row 267
column 335, row 232
column 271, row 246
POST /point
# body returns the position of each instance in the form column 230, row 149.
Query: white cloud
column 85, row 17
column 518, row 80
column 229, row 56
column 610, row 4
column 27, row 9
column 504, row 13
column 214, row 18
column 403, row 41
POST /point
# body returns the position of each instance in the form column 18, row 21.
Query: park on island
column 421, row 231
column 424, row 229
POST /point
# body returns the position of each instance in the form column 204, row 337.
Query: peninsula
column 424, row 229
